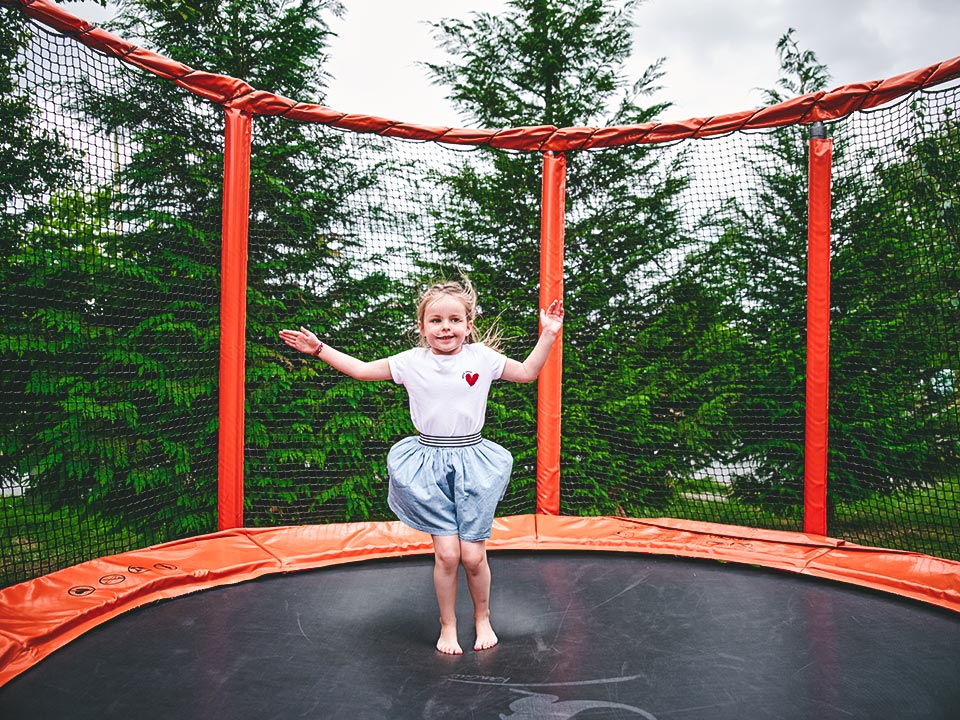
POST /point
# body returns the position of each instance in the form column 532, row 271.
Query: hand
column 302, row 340
column 551, row 319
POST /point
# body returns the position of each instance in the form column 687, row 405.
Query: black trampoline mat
column 582, row 635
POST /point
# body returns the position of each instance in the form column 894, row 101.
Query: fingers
column 555, row 310
column 297, row 339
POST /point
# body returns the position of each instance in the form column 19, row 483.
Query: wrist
column 318, row 350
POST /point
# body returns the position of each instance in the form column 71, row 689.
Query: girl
column 447, row 480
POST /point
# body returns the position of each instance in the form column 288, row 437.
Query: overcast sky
column 718, row 54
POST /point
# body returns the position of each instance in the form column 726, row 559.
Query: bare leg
column 446, row 566
column 473, row 555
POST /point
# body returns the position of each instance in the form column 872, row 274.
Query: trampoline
column 616, row 629
column 598, row 617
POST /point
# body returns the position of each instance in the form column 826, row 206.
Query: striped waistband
column 456, row 441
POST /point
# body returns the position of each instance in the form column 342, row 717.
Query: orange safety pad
column 41, row 615
column 550, row 382
column 817, row 418
column 914, row 575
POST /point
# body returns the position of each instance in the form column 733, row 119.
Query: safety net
column 684, row 350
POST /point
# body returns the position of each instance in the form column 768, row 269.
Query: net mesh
column 683, row 352
column 109, row 302
column 686, row 380
column 699, row 413
column 352, row 272
column 895, row 415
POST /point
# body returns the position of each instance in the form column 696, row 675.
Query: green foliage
column 310, row 437
column 893, row 401
column 113, row 335
column 895, row 414
column 684, row 351
column 34, row 162
column 38, row 538
column 631, row 414
column 541, row 62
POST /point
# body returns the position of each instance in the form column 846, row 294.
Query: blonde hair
column 466, row 294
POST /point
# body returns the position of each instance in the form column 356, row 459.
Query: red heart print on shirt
column 471, row 378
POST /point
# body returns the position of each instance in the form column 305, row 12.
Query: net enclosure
column 760, row 358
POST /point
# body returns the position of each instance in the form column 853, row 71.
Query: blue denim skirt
column 448, row 489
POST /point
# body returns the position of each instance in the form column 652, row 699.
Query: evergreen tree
column 891, row 427
column 545, row 62
column 35, row 163
column 308, row 434
column 136, row 424
column 894, row 418
column 763, row 250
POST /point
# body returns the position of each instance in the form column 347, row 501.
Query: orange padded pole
column 551, row 288
column 233, row 316
column 818, row 334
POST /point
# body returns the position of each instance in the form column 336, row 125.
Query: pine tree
column 545, row 62
column 137, row 423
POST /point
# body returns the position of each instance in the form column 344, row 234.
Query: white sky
column 718, row 54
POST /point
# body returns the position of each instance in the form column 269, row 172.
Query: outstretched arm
column 306, row 342
column 551, row 323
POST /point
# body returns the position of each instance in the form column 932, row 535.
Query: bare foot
column 448, row 643
column 486, row 637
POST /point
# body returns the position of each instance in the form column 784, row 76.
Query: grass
column 926, row 520
column 36, row 539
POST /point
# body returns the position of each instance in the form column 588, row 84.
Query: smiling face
column 445, row 324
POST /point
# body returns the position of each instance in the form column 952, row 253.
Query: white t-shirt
column 448, row 393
